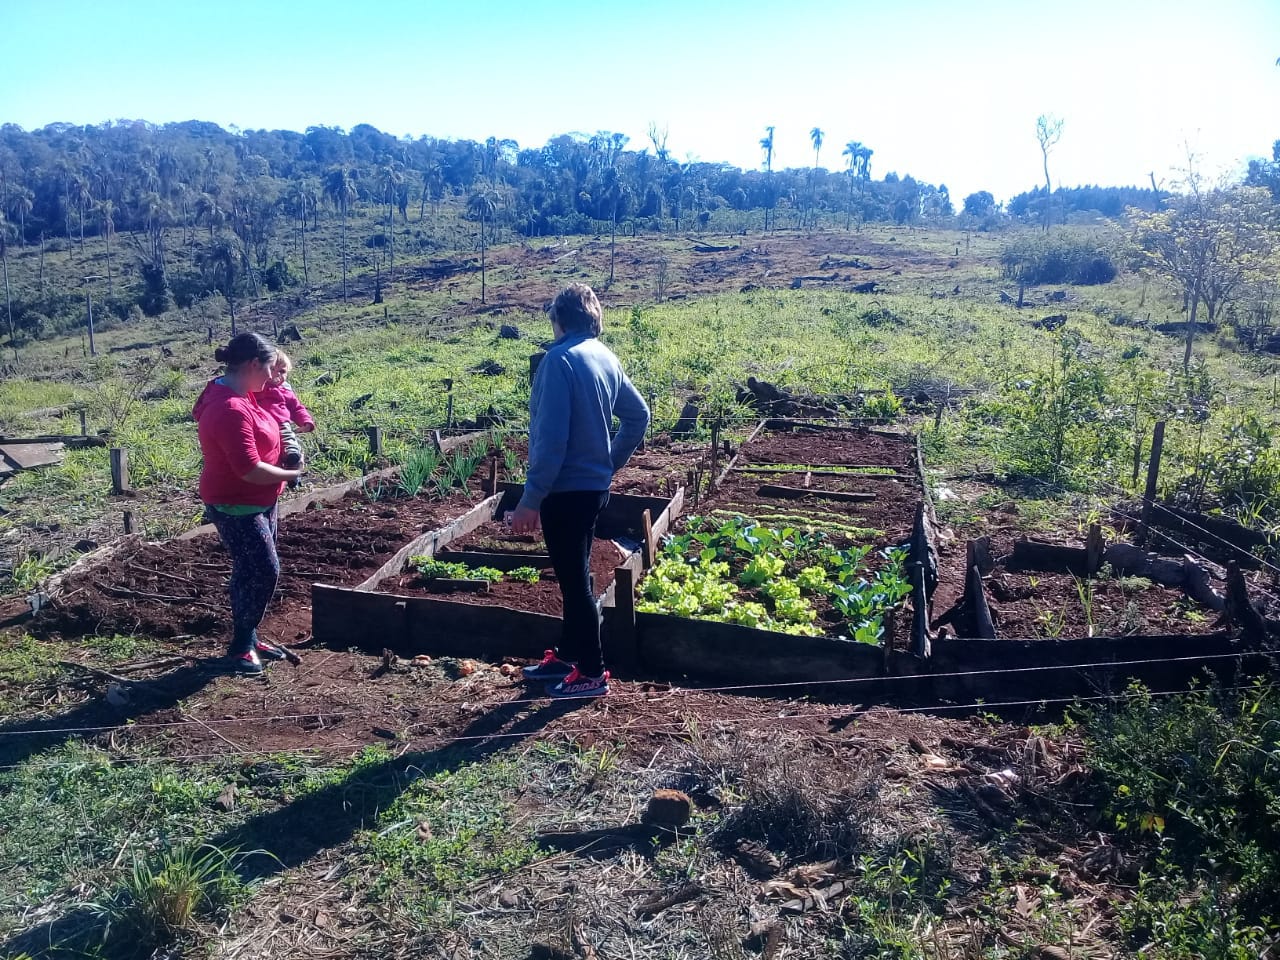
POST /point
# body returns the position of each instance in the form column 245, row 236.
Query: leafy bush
column 1057, row 258
column 1202, row 773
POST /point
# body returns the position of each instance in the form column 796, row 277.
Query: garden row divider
column 340, row 490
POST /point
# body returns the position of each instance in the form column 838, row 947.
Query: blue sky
column 946, row 90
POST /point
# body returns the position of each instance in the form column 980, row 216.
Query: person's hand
column 523, row 520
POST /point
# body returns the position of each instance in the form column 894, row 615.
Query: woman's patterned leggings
column 255, row 568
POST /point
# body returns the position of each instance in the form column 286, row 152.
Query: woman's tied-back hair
column 577, row 310
column 243, row 348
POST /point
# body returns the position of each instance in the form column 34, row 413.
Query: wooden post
column 210, row 337
column 534, row 360
column 650, row 546
column 1094, row 547
column 624, row 648
column 375, row 440
column 84, row 425
column 491, row 487
column 448, row 413
column 715, row 448
column 128, row 521
column 1153, row 475
column 119, row 471
column 436, row 441
column 937, row 417
column 920, row 642
column 984, row 627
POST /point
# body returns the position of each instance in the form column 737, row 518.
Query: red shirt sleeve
column 233, row 432
column 297, row 412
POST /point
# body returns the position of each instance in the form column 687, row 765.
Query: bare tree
column 1048, row 132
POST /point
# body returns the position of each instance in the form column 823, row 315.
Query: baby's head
column 280, row 369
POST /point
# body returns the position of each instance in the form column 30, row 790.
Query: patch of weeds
column 162, row 901
column 30, row 571
column 118, row 647
column 445, row 832
column 68, row 813
column 24, row 659
column 1193, row 781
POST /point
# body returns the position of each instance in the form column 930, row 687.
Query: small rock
column 508, row 669
column 668, row 808
column 509, row 331
column 424, row 831
column 1009, row 507
column 118, row 695
column 467, row 667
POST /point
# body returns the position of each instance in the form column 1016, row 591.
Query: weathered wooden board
column 414, row 625
column 29, row 456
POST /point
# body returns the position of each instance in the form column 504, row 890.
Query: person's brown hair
column 576, row 309
column 243, row 348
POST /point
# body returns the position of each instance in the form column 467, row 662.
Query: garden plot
column 794, row 568
column 472, row 588
column 178, row 587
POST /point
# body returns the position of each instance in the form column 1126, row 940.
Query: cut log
column 1035, row 555
column 797, row 493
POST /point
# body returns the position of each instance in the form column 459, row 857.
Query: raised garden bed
column 399, row 609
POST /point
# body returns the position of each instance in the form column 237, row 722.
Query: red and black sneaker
column 551, row 668
column 577, row 685
column 246, row 663
column 268, row 651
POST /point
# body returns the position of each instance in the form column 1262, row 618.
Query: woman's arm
column 265, row 474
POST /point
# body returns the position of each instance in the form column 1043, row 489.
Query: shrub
column 1057, row 258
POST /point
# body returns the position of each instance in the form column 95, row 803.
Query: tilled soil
column 541, row 597
column 178, row 588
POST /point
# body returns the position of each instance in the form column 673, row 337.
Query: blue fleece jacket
column 577, row 391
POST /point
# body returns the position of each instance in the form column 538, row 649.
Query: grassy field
column 479, row 823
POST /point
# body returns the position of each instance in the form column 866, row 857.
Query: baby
column 279, row 401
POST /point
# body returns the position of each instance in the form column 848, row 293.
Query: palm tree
column 391, row 176
column 481, row 204
column 83, row 199
column 107, row 224
column 218, row 263
column 340, row 188
column 766, row 144
column 815, row 135
column 614, row 192
column 859, row 169
column 207, row 208
column 20, row 205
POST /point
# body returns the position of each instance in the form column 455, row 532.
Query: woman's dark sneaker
column 247, row 663
column 551, row 668
column 268, row 651
column 577, row 685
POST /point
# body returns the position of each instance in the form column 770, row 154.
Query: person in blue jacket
column 578, row 389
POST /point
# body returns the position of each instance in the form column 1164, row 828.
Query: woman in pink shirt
column 240, row 484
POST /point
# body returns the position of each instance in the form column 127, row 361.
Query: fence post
column 128, row 521
column 119, row 471
column 448, row 415
column 84, row 425
column 375, row 440
column 1153, row 475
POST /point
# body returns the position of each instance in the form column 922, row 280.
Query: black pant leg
column 568, row 525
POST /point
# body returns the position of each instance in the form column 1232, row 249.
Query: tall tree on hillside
column 341, row 191
column 816, row 136
column 5, row 229
column 218, row 263
column 482, row 206
column 208, row 208
column 1048, row 133
column 107, row 224
column 21, row 201
column 390, row 178
column 766, row 144
column 859, row 170
column 83, row 199
column 614, row 193
column 432, row 188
